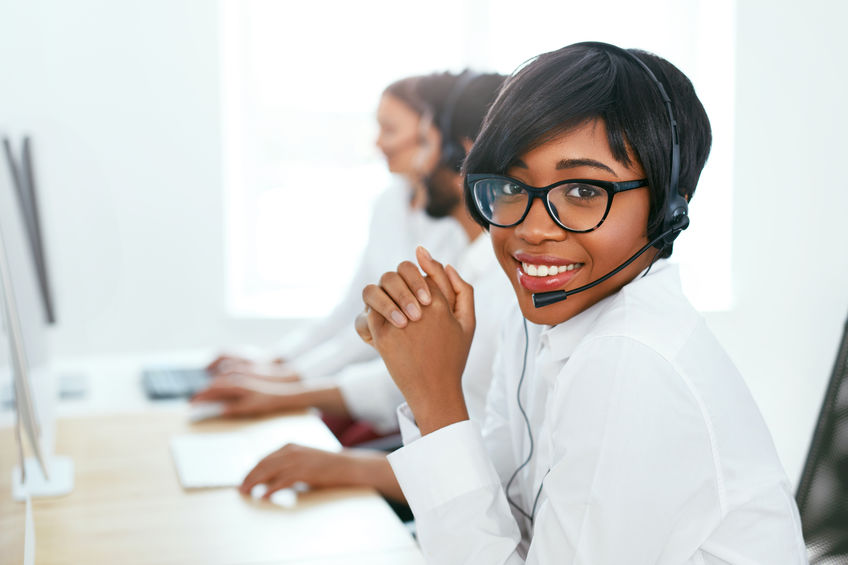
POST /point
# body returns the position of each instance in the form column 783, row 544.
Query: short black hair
column 564, row 89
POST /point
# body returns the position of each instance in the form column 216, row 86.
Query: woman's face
column 401, row 137
column 580, row 153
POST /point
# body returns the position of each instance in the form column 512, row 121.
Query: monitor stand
column 60, row 482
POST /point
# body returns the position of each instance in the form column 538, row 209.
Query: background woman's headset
column 452, row 152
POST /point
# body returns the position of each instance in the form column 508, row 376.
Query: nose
column 538, row 226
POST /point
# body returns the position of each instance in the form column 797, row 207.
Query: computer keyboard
column 174, row 382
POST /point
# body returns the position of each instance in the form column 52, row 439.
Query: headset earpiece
column 676, row 218
column 452, row 151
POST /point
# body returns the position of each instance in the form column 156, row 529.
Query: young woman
column 617, row 429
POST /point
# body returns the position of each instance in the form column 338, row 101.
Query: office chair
column 823, row 491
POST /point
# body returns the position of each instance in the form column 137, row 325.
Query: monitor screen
column 14, row 335
column 23, row 270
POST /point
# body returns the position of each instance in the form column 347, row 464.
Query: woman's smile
column 543, row 273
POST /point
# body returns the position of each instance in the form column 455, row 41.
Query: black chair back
column 823, row 491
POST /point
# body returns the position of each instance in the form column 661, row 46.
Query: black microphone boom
column 547, row 298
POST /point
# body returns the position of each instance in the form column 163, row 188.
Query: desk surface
column 128, row 507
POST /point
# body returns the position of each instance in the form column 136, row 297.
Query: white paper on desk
column 206, row 460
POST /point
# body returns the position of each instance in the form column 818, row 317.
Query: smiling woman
column 617, row 429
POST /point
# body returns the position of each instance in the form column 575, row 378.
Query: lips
column 545, row 273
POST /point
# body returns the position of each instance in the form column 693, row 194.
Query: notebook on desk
column 205, row 460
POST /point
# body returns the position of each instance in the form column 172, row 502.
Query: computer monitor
column 25, row 336
column 22, row 174
column 17, row 227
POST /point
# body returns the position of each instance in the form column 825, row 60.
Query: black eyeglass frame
column 611, row 187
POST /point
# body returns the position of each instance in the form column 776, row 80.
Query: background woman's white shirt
column 331, row 344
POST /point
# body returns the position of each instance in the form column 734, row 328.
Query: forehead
column 583, row 148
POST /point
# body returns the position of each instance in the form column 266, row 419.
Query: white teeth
column 547, row 270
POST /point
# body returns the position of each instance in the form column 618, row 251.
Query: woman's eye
column 509, row 189
column 583, row 192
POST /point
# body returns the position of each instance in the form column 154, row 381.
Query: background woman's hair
column 428, row 95
column 563, row 89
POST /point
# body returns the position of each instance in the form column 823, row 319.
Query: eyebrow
column 572, row 164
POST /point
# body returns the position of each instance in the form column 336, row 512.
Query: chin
column 556, row 313
column 547, row 315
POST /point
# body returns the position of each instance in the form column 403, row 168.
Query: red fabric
column 350, row 432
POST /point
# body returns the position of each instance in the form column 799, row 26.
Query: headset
column 676, row 217
column 452, row 151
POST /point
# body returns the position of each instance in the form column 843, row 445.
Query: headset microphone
column 547, row 298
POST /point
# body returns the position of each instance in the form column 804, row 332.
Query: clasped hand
column 422, row 326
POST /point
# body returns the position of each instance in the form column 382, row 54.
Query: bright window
column 299, row 92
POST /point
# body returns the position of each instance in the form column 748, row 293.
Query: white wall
column 122, row 101
column 790, row 244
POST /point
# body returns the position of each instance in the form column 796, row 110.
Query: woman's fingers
column 219, row 392
column 360, row 324
column 277, row 483
column 393, row 298
column 464, row 308
column 258, row 475
column 415, row 281
column 402, row 286
column 436, row 272
column 401, row 295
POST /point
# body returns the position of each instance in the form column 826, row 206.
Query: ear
column 467, row 142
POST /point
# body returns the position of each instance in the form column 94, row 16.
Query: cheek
column 622, row 233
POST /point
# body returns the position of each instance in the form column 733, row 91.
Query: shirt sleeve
column 333, row 355
column 448, row 479
column 632, row 461
column 370, row 394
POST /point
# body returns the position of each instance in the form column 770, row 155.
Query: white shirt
column 331, row 344
column 647, row 449
column 368, row 390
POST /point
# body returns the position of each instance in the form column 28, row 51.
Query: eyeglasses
column 576, row 205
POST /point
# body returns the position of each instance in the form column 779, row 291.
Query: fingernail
column 423, row 296
column 413, row 311
column 425, row 252
column 398, row 318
